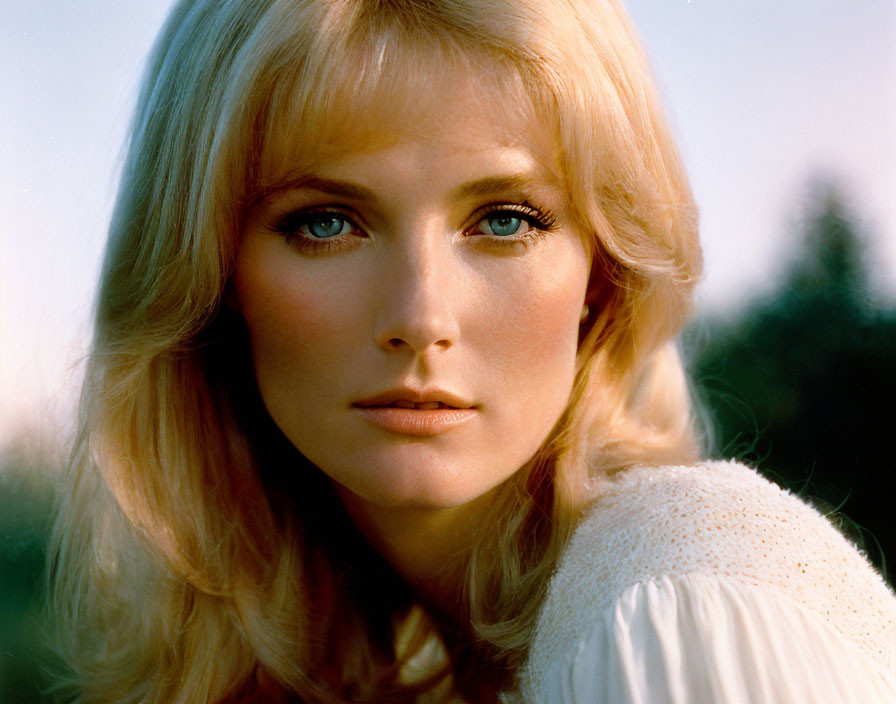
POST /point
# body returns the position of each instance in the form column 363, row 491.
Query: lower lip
column 412, row 421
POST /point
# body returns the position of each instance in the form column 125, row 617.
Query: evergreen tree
column 802, row 384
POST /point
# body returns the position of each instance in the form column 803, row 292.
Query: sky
column 763, row 95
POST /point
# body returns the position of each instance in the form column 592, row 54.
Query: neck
column 427, row 547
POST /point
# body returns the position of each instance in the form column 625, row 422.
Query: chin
column 420, row 486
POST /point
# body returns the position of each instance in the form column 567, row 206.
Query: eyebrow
column 493, row 184
column 486, row 186
column 333, row 187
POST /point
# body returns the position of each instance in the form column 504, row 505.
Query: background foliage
column 802, row 383
column 25, row 508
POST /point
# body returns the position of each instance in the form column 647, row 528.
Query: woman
column 384, row 399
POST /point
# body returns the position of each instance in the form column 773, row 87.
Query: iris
column 504, row 225
column 328, row 225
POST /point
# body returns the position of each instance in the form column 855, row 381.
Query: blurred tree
column 802, row 384
column 26, row 663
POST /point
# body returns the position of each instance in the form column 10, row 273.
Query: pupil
column 504, row 225
column 326, row 226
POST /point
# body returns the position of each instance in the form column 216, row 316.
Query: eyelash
column 541, row 222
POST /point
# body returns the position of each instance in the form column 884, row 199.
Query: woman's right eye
column 316, row 228
column 320, row 226
column 326, row 225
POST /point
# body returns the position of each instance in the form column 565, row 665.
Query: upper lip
column 406, row 393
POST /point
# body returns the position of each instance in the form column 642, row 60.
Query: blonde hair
column 185, row 567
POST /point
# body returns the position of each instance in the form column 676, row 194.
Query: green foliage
column 801, row 384
column 25, row 508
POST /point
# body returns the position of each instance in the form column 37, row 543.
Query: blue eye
column 503, row 225
column 508, row 223
column 327, row 225
column 318, row 230
column 514, row 223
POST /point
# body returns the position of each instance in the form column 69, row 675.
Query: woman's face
column 441, row 269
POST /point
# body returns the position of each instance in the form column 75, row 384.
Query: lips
column 421, row 399
column 416, row 412
column 423, row 406
column 418, row 422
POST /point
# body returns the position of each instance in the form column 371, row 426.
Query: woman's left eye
column 504, row 224
column 517, row 223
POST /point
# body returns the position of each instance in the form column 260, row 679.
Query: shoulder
column 718, row 521
column 718, row 518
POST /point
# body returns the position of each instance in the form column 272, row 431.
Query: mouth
column 416, row 413
column 431, row 399
column 420, row 406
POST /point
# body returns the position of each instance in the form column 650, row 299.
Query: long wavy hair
column 197, row 556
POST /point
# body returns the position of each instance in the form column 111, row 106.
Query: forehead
column 468, row 105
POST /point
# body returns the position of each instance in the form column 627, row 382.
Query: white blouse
column 705, row 585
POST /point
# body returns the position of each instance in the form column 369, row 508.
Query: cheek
column 534, row 324
column 529, row 338
column 295, row 321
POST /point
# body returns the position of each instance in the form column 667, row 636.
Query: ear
column 600, row 280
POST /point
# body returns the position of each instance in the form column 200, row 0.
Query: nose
column 420, row 296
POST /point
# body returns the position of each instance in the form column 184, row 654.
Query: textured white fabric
column 710, row 584
column 694, row 639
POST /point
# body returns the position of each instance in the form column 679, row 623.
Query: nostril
column 415, row 330
column 397, row 342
